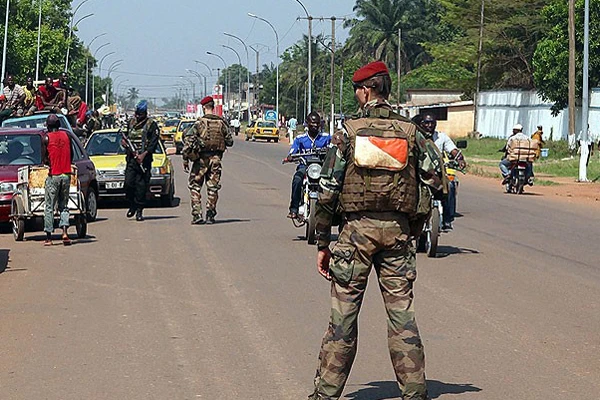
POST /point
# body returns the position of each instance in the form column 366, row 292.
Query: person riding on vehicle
column 313, row 140
column 447, row 146
column 505, row 163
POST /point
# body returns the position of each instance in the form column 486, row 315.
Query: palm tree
column 132, row 95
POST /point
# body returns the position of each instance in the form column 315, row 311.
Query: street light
column 71, row 34
column 37, row 57
column 99, row 73
column 227, row 78
column 192, row 84
column 277, row 66
column 87, row 64
column 239, row 78
column 309, row 18
column 206, row 65
column 247, row 70
column 4, row 49
column 198, row 75
column 110, row 69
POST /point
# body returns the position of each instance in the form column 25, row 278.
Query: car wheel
column 91, row 205
column 276, row 140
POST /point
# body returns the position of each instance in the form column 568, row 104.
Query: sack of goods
column 522, row 150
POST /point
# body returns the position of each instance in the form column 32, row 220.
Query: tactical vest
column 138, row 136
column 212, row 134
column 381, row 174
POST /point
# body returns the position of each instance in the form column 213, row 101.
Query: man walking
column 204, row 145
column 58, row 153
column 375, row 170
column 143, row 135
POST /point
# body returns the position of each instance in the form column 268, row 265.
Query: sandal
column 66, row 241
column 48, row 242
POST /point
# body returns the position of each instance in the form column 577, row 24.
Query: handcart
column 28, row 203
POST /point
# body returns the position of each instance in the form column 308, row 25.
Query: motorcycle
column 313, row 160
column 518, row 177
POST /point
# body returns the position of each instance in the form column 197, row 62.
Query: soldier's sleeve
column 330, row 185
column 153, row 137
column 187, row 138
column 430, row 165
column 227, row 134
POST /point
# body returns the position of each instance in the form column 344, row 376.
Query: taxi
column 261, row 129
column 105, row 150
column 168, row 129
column 183, row 126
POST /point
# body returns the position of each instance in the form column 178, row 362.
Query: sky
column 159, row 39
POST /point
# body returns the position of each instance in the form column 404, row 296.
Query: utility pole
column 309, row 18
column 572, row 67
column 478, row 84
column 585, row 150
column 332, row 83
column 256, row 78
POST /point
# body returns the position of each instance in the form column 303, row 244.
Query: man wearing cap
column 204, row 144
column 517, row 134
column 59, row 158
column 144, row 135
column 374, row 173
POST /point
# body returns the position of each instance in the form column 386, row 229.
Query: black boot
column 210, row 216
column 131, row 212
column 139, row 215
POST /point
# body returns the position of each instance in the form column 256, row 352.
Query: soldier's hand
column 323, row 258
column 186, row 166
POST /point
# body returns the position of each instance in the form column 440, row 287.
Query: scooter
column 313, row 160
column 518, row 177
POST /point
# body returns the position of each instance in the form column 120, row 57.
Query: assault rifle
column 130, row 147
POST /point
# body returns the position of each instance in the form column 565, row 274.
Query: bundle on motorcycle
column 313, row 160
column 521, row 154
column 28, row 202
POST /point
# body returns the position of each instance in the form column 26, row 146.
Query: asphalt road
column 166, row 310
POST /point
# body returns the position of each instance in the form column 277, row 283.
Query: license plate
column 114, row 185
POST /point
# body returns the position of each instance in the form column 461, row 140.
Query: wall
column 459, row 123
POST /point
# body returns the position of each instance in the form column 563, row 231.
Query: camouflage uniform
column 204, row 144
column 382, row 239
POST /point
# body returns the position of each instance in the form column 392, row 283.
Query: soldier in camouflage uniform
column 204, row 144
column 381, row 173
column 144, row 135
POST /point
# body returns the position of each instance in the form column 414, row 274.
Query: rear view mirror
column 171, row 151
column 461, row 144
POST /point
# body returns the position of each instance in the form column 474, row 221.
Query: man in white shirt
column 235, row 123
column 517, row 134
column 446, row 146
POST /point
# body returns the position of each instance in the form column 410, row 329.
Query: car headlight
column 314, row 171
column 7, row 187
column 159, row 171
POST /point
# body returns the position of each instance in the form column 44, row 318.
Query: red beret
column 206, row 100
column 369, row 71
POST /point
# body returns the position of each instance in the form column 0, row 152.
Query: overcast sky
column 158, row 39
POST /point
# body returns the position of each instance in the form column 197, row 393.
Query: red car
column 23, row 146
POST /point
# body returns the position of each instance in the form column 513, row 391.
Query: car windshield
column 108, row 144
column 184, row 125
column 20, row 149
column 266, row 124
column 171, row 122
column 34, row 122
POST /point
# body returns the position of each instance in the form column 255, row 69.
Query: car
column 169, row 128
column 184, row 124
column 104, row 148
column 260, row 129
column 28, row 142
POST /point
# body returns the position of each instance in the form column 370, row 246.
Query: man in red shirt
column 58, row 152
column 50, row 98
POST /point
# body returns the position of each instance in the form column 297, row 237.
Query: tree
column 551, row 59
column 233, row 71
column 132, row 95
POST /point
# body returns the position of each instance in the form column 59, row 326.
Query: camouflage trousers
column 207, row 169
column 380, row 240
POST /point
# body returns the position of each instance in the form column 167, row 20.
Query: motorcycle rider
column 517, row 134
column 445, row 145
column 313, row 140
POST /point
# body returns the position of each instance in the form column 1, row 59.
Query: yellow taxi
column 183, row 126
column 261, row 129
column 105, row 150
column 168, row 129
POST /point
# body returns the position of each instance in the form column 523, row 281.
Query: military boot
column 198, row 220
column 139, row 216
column 210, row 216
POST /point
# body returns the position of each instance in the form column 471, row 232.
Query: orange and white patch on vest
column 381, row 153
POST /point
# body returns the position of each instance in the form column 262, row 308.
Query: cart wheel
column 81, row 226
column 18, row 222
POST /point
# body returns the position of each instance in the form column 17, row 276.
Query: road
column 166, row 310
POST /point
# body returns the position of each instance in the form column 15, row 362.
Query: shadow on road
column 4, row 259
column 445, row 251
column 158, row 217
column 112, row 204
column 57, row 240
column 390, row 390
column 230, row 221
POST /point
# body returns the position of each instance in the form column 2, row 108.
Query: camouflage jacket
column 430, row 171
column 193, row 142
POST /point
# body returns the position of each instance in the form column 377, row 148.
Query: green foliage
column 234, row 72
column 551, row 61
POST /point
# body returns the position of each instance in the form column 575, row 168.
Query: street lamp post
column 227, row 78
column 87, row 66
column 93, row 76
column 39, row 38
column 309, row 18
column 198, row 75
column 110, row 69
column 99, row 74
column 277, row 67
column 239, row 79
column 247, row 71
column 4, row 49
column 71, row 34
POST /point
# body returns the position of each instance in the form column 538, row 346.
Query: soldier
column 143, row 134
column 378, row 172
column 204, row 144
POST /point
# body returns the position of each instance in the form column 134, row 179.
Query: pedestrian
column 30, row 97
column 58, row 182
column 143, row 134
column 539, row 136
column 378, row 164
column 235, row 124
column 204, row 145
column 15, row 96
